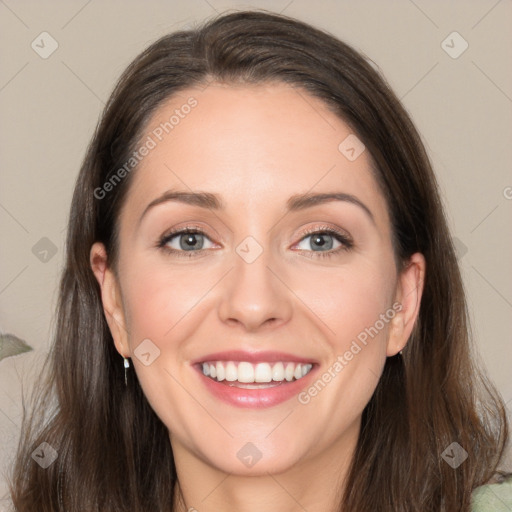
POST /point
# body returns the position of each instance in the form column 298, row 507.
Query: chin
column 262, row 467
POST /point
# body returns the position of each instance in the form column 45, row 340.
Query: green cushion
column 493, row 497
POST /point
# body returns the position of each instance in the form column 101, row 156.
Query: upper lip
column 253, row 357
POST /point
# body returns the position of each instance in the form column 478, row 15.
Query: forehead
column 254, row 145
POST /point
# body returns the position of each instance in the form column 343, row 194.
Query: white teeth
column 248, row 373
column 263, row 373
column 278, row 371
column 231, row 371
column 245, row 372
column 221, row 374
column 288, row 372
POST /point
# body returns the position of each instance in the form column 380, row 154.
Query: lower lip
column 255, row 398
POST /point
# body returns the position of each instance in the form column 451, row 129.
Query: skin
column 256, row 146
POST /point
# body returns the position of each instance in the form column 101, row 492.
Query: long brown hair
column 113, row 451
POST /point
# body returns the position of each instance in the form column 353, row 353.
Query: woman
column 261, row 306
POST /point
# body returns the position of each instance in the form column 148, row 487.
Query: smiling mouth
column 243, row 374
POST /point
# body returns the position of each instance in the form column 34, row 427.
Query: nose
column 255, row 294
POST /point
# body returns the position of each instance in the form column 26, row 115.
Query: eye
column 324, row 239
column 188, row 240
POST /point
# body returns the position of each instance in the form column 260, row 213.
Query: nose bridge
column 254, row 293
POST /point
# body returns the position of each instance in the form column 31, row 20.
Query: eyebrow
column 295, row 203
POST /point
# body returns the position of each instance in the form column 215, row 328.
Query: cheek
column 348, row 300
column 355, row 306
column 340, row 301
column 157, row 299
column 161, row 305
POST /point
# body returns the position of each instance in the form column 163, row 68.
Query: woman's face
column 274, row 279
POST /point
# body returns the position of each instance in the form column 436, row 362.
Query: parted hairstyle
column 114, row 453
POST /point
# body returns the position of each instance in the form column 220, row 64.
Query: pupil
column 190, row 241
column 322, row 243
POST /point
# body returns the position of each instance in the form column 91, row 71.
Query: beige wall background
column 460, row 98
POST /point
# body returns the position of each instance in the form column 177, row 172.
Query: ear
column 110, row 297
column 408, row 298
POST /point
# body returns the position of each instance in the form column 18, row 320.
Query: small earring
column 126, row 366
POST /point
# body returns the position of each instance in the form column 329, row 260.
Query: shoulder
column 493, row 497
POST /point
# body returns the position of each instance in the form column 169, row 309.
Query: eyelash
column 346, row 242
